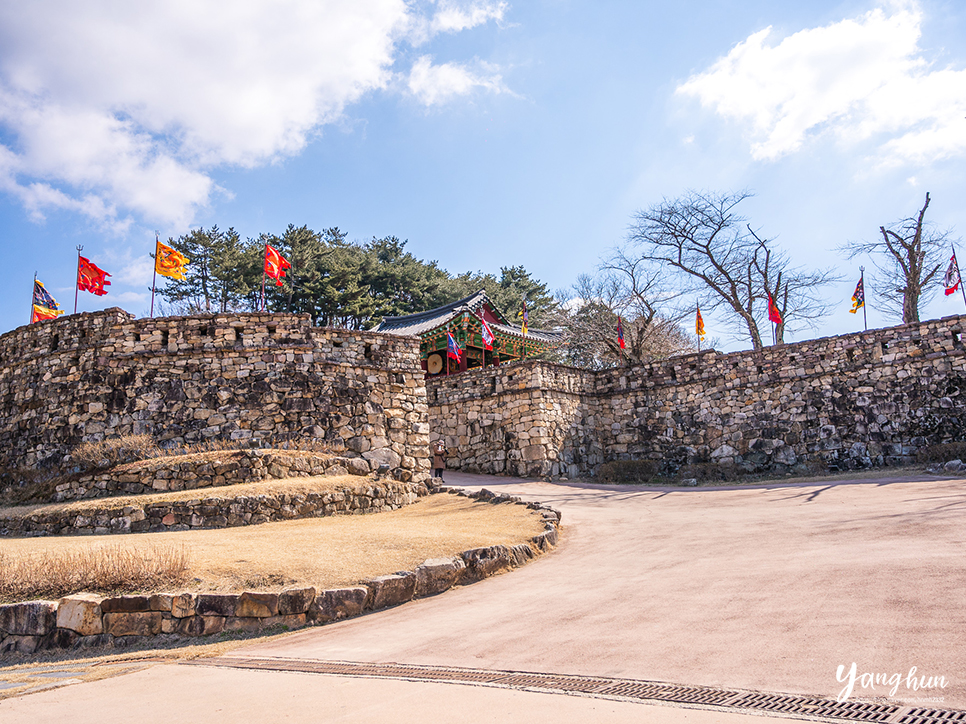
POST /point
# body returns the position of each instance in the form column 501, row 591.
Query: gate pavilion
column 462, row 319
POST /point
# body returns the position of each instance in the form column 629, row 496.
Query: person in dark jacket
column 439, row 459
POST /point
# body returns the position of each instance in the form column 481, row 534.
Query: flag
column 43, row 313
column 42, row 297
column 858, row 297
column 44, row 306
column 773, row 314
column 699, row 323
column 951, row 280
column 90, row 278
column 620, row 332
column 526, row 318
column 169, row 263
column 452, row 347
column 486, row 333
column 275, row 264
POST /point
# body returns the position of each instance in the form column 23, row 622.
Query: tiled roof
column 417, row 324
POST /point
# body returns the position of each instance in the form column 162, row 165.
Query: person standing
column 439, row 459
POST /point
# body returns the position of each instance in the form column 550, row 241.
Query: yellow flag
column 169, row 262
column 699, row 324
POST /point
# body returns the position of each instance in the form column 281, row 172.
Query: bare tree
column 791, row 288
column 708, row 248
column 907, row 258
column 629, row 292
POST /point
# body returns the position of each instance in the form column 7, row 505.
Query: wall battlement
column 856, row 400
column 189, row 379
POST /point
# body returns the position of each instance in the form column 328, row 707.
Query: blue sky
column 486, row 133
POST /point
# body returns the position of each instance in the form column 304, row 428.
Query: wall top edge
column 711, row 360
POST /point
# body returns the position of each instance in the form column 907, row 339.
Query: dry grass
column 268, row 487
column 132, row 448
column 24, row 486
column 322, row 552
column 47, row 574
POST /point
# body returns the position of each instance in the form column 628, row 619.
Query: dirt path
column 768, row 588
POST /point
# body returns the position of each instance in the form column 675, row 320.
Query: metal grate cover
column 789, row 705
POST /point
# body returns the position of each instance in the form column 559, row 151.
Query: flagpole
column 524, row 328
column 865, row 316
column 76, row 277
column 32, row 290
column 154, row 280
column 697, row 313
column 961, row 288
column 263, row 278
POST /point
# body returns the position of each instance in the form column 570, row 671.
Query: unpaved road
column 767, row 588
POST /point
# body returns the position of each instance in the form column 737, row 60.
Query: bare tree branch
column 711, row 252
column 907, row 260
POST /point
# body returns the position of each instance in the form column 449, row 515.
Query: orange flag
column 699, row 324
column 169, row 262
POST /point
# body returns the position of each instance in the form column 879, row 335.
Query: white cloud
column 118, row 110
column 861, row 79
column 437, row 84
column 453, row 16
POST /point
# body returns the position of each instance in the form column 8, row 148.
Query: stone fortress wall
column 223, row 376
column 857, row 400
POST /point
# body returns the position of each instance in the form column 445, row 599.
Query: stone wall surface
column 221, row 510
column 87, row 620
column 230, row 467
column 856, row 400
column 525, row 418
column 189, row 379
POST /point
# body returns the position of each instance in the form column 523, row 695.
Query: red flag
column 453, row 349
column 90, row 278
column 773, row 314
column 951, row 280
column 620, row 333
column 275, row 264
column 486, row 333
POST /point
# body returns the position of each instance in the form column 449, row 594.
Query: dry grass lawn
column 292, row 486
column 322, row 552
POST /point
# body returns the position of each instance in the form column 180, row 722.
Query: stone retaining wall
column 86, row 620
column 522, row 419
column 857, row 400
column 182, row 380
column 232, row 467
column 214, row 511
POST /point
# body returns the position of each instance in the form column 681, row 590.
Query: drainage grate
column 666, row 692
column 790, row 704
column 625, row 689
column 931, row 716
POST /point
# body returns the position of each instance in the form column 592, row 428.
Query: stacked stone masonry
column 86, row 620
column 214, row 511
column 186, row 380
column 233, row 467
column 857, row 400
